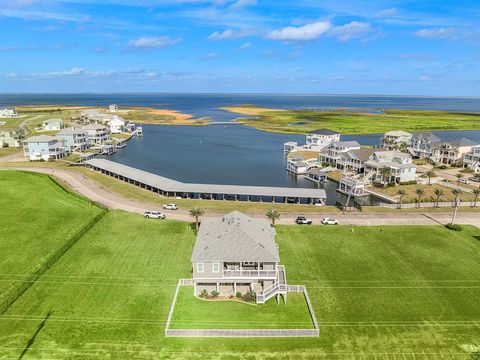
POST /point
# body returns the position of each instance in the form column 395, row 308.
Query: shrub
column 249, row 297
column 238, row 294
column 443, row 167
column 392, row 184
column 466, row 171
column 412, row 182
column 204, row 293
column 454, row 227
column 215, row 293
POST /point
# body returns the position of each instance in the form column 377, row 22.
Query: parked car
column 154, row 215
column 329, row 221
column 170, row 206
column 475, row 178
column 302, row 220
column 464, row 181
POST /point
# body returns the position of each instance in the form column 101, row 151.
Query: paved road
column 90, row 189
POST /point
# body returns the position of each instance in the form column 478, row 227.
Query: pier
column 172, row 188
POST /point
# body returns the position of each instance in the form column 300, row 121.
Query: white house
column 113, row 107
column 117, row 124
column 44, row 147
column 354, row 160
column 451, row 151
column 395, row 139
column 422, row 145
column 8, row 113
column 96, row 133
column 75, row 139
column 320, row 138
column 331, row 154
column 52, row 124
column 472, row 159
column 11, row 138
column 296, row 166
column 400, row 165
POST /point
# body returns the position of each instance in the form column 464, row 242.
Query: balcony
column 250, row 274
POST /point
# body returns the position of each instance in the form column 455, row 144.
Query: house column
column 258, row 268
column 218, row 287
column 234, row 288
column 195, row 289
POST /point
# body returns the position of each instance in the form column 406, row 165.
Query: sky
column 402, row 47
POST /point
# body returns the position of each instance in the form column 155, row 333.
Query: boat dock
column 172, row 188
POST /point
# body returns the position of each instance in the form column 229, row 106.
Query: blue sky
column 303, row 46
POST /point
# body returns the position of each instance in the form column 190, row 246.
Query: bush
column 215, row 293
column 412, row 182
column 466, row 171
column 204, row 293
column 443, row 167
column 392, row 184
column 238, row 294
column 454, row 227
column 249, row 297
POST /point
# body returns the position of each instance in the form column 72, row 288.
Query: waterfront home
column 8, row 113
column 297, row 166
column 394, row 140
column 75, row 139
column 116, row 124
column 316, row 175
column 11, row 138
column 331, row 154
column 471, row 160
column 320, row 138
column 352, row 185
column 44, row 147
column 237, row 253
column 90, row 115
column 52, row 124
column 400, row 165
column 113, row 107
column 452, row 151
column 354, row 160
column 290, row 146
column 422, row 145
column 96, row 133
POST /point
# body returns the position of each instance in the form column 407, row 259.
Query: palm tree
column 196, row 212
column 273, row 215
column 458, row 176
column 438, row 193
column 457, row 194
column 420, row 192
column 476, row 192
column 402, row 193
column 430, row 174
column 384, row 173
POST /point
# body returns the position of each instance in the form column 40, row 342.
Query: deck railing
column 249, row 273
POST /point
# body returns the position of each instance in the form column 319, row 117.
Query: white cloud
column 232, row 34
column 152, row 42
column 350, row 31
column 387, row 12
column 437, row 33
column 242, row 3
column 424, row 78
column 211, row 55
column 246, row 46
column 306, row 32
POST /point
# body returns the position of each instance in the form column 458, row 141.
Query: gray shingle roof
column 235, row 237
column 461, row 142
column 41, row 139
column 71, row 131
column 346, row 144
column 426, row 135
column 94, row 127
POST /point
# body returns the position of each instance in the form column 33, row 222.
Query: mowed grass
column 37, row 217
column 350, row 122
column 194, row 313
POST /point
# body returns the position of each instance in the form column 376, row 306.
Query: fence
column 429, row 205
column 315, row 332
column 8, row 298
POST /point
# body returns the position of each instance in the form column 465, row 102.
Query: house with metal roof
column 44, row 147
column 96, row 133
column 52, row 124
column 395, row 139
column 422, row 144
column 452, row 151
column 75, row 139
column 331, row 153
column 320, row 138
column 237, row 253
column 400, row 165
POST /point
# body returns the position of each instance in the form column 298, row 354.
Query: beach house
column 400, row 166
column 52, row 124
column 354, row 160
column 451, row 151
column 116, row 124
column 394, row 140
column 320, row 138
column 113, row 107
column 44, row 147
column 471, row 160
column 96, row 133
column 11, row 138
column 237, row 253
column 75, row 139
column 422, row 145
column 331, row 153
column 8, row 113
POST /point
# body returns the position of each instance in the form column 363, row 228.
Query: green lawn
column 37, row 217
column 399, row 292
column 194, row 313
column 346, row 122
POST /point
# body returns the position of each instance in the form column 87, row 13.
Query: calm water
column 235, row 155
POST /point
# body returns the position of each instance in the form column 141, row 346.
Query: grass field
column 346, row 122
column 37, row 217
column 194, row 313
column 396, row 292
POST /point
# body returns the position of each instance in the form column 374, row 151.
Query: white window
column 200, row 267
column 216, row 267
